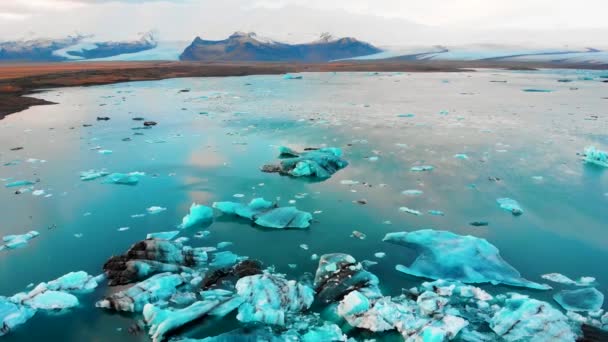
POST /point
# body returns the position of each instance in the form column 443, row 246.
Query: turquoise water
column 193, row 157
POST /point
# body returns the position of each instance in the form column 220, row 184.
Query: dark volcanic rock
column 247, row 47
column 242, row 269
column 150, row 123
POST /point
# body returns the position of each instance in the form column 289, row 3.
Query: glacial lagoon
column 425, row 151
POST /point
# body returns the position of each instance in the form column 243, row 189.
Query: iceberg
column 412, row 192
column 19, row 183
column 149, row 257
column 12, row 315
column 422, row 168
column 163, row 235
column 224, row 259
column 318, row 164
column 131, row 178
column 526, row 319
column 596, row 157
column 92, row 174
column 410, row 211
column 292, row 77
column 153, row 210
column 199, row 215
column 270, row 297
column 18, row 241
column 159, row 287
column 562, row 279
column 510, row 205
column 445, row 255
column 267, row 214
column 163, row 321
column 587, row 299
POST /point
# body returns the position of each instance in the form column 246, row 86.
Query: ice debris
column 199, row 215
column 267, row 214
column 319, row 163
column 17, row 241
column 562, row 279
column 510, row 205
column 410, row 211
column 596, row 157
column 131, row 178
column 19, row 183
column 269, row 298
column 422, row 168
column 92, row 174
column 445, row 255
column 526, row 319
column 292, row 77
column 155, row 210
column 149, row 257
column 412, row 192
column 587, row 299
column 163, row 235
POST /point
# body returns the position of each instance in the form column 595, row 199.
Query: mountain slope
column 248, row 47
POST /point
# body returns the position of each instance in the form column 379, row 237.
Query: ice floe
column 445, row 255
column 267, row 214
column 319, row 163
column 17, row 240
column 587, row 299
column 198, row 215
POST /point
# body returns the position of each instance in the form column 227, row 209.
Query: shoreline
column 17, row 81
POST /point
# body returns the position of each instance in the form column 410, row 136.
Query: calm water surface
column 210, row 142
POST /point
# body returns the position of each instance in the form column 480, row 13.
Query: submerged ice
column 445, row 255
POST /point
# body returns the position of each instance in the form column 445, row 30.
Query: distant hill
column 249, row 47
column 70, row 48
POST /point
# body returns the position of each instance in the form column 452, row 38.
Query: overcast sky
column 383, row 22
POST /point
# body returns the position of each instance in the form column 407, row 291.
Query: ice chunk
column 267, row 214
column 75, row 282
column 19, row 183
column 436, row 213
column 149, row 257
column 596, row 157
column 12, row 315
column 445, row 255
column 159, row 287
column 92, row 174
column 224, row 259
column 51, row 300
column 199, row 215
column 292, row 77
column 410, row 211
column 163, row 235
column 526, row 319
column 163, row 321
column 314, row 163
column 587, row 299
column 131, row 178
column 353, row 303
column 155, row 210
column 461, row 156
column 510, row 205
column 412, row 192
column 562, row 279
column 422, row 168
column 18, row 241
column 269, row 297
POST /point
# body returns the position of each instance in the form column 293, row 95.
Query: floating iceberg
column 270, row 297
column 12, row 315
column 163, row 235
column 534, row 90
column 445, row 255
column 412, row 192
column 163, row 321
column 131, row 178
column 422, row 168
column 18, row 241
column 159, row 287
column 510, row 205
column 92, row 174
column 153, row 210
column 410, row 211
column 526, row 319
column 19, row 183
column 267, row 214
column 315, row 163
column 587, row 299
column 148, row 257
column 461, row 156
column 596, row 157
column 562, row 279
column 292, row 77
column 199, row 214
